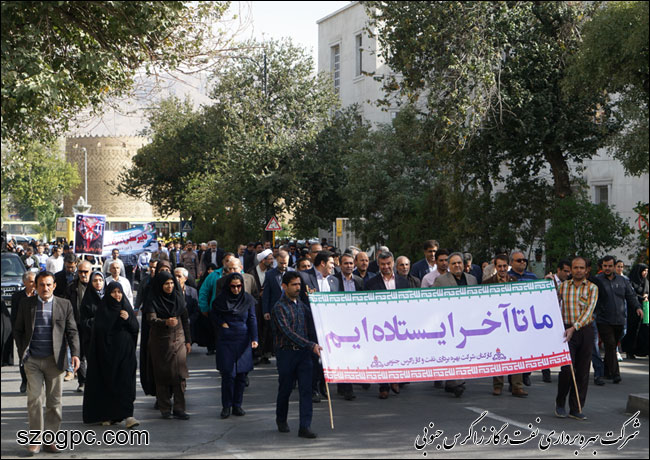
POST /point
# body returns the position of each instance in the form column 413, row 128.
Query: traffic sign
column 186, row 226
column 273, row 225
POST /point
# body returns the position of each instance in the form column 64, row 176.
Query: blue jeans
column 294, row 365
column 596, row 360
column 70, row 366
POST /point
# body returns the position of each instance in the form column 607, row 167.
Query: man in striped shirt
column 578, row 299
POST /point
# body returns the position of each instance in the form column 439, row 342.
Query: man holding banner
column 578, row 298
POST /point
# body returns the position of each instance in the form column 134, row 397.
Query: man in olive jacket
column 44, row 326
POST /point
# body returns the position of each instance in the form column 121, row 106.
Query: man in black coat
column 28, row 291
column 213, row 255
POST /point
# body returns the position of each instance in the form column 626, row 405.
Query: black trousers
column 580, row 347
column 610, row 335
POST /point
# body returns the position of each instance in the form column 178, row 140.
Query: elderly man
column 455, row 277
column 45, row 325
column 404, row 269
column 427, row 265
column 192, row 304
column 115, row 257
column 213, row 255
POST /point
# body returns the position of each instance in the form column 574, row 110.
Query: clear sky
column 260, row 20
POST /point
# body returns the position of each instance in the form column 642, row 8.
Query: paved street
column 366, row 427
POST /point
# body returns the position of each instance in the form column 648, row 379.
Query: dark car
column 12, row 276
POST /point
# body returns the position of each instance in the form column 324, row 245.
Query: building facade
column 348, row 53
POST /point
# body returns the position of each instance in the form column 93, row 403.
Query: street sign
column 273, row 225
column 186, row 226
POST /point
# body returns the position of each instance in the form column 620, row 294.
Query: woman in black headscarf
column 169, row 343
column 233, row 317
column 110, row 383
column 146, row 372
column 90, row 303
column 635, row 341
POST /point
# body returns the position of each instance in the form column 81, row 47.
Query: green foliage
column 613, row 59
column 579, row 227
column 490, row 73
column 60, row 57
column 36, row 177
column 232, row 164
column 641, row 254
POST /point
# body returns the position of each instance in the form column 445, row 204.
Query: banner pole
column 575, row 385
column 329, row 402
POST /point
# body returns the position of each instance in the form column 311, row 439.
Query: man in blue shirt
column 519, row 262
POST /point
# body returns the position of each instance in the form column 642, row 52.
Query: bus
column 165, row 228
column 26, row 228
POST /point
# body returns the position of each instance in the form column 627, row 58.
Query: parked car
column 12, row 276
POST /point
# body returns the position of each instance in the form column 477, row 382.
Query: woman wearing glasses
column 233, row 317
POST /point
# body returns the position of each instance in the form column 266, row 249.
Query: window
column 336, row 67
column 602, row 194
column 359, row 55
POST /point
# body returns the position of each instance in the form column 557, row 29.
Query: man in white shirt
column 115, row 253
column 442, row 263
column 115, row 276
column 54, row 263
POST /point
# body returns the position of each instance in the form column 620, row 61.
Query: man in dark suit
column 426, row 265
column 65, row 276
column 44, row 325
column 472, row 269
column 272, row 289
column 455, row 277
column 404, row 268
column 385, row 280
column 213, row 255
column 361, row 261
column 293, row 255
column 74, row 292
column 175, row 255
column 28, row 291
column 319, row 278
column 348, row 281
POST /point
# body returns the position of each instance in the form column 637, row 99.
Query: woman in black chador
column 110, row 383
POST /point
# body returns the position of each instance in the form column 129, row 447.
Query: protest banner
column 89, row 234
column 132, row 241
column 412, row 335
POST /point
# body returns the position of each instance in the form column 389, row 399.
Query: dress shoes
column 225, row 412
column 315, row 397
column 519, row 393
column 349, row 396
column 395, row 388
column 546, row 375
column 167, row 415
column 238, row 411
column 497, row 391
column 459, row 390
column 306, row 433
column 181, row 415
column 383, row 395
column 438, row 384
column 283, row 427
column 616, row 379
column 23, row 387
column 51, row 448
column 599, row 381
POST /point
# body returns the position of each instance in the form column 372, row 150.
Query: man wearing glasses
column 519, row 262
column 74, row 292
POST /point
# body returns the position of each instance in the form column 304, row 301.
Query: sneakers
column 577, row 416
column 131, row 422
column 560, row 412
column 68, row 376
column 619, row 358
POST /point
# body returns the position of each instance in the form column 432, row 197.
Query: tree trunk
column 560, row 170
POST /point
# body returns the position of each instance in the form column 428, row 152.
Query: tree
column 490, row 73
column 36, row 177
column 613, row 59
column 61, row 57
column 239, row 159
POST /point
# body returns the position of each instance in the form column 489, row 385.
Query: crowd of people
column 248, row 306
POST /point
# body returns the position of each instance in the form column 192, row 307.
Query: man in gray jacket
column 44, row 326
